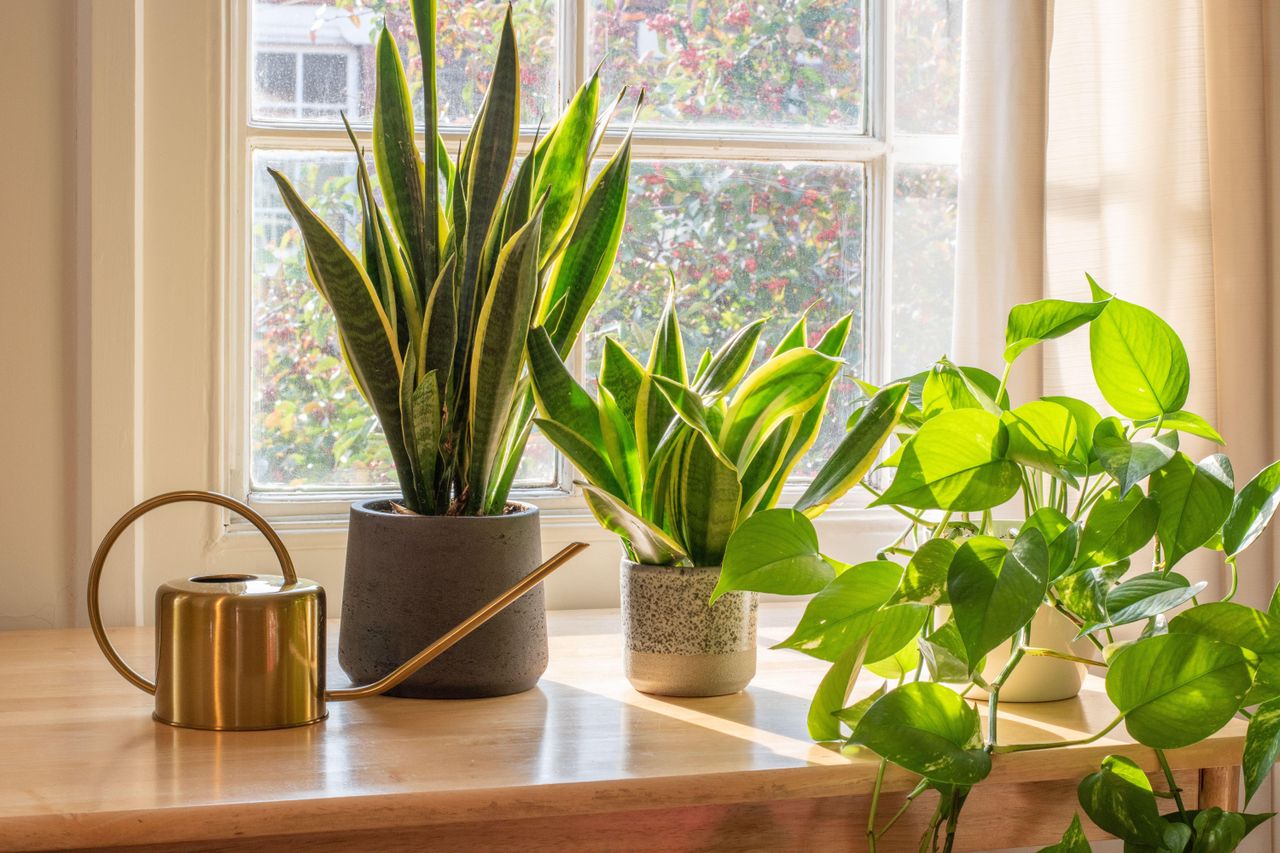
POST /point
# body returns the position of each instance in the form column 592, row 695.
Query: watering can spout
column 247, row 651
column 472, row 622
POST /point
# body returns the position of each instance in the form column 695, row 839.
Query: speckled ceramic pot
column 677, row 645
column 411, row 578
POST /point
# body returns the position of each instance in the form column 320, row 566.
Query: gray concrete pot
column 674, row 644
column 411, row 578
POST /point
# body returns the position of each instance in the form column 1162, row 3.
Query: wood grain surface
column 581, row 762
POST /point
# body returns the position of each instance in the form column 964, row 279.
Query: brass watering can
column 239, row 652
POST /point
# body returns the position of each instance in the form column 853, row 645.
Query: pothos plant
column 457, row 264
column 1091, row 495
column 674, row 461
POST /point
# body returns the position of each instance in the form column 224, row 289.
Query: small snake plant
column 674, row 463
column 457, row 264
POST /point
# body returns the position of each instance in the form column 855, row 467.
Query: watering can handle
column 100, row 558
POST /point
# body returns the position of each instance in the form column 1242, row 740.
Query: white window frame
column 877, row 150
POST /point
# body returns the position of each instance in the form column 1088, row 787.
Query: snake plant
column 457, row 264
column 674, row 463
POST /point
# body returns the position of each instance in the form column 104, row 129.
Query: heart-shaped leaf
column 833, row 692
column 1191, row 817
column 1043, row 320
column 1073, row 840
column 995, row 590
column 1119, row 799
column 1261, row 746
column 1188, row 422
column 1218, row 831
column 1229, row 622
column 774, row 551
column 897, row 665
column 956, row 461
column 844, row 612
column 1086, row 417
column 1084, row 593
column 925, row 579
column 1116, row 528
column 1252, row 510
column 1139, row 363
column 1131, row 462
column 895, row 627
column 1043, row 435
column 1252, row 630
column 947, row 388
column 1195, row 500
column 1177, row 689
column 927, row 729
column 1062, row 536
column 1146, row 595
column 851, row 715
column 944, row 654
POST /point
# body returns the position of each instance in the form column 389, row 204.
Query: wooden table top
column 82, row 762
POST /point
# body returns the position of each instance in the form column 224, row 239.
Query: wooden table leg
column 1219, row 786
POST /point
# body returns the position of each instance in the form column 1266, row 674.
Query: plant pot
column 1038, row 678
column 411, row 578
column 677, row 645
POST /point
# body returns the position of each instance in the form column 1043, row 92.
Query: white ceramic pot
column 1038, row 678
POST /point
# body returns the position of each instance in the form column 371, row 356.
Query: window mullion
column 879, row 311
column 572, row 47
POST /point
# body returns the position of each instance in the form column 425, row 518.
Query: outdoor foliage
column 796, row 63
column 677, row 452
column 1095, row 492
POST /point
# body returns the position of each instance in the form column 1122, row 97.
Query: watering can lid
column 243, row 584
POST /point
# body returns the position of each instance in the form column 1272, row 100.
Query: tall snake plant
column 457, row 264
column 674, row 463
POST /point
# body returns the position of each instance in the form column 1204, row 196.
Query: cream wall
column 38, row 317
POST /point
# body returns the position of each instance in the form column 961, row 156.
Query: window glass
column 717, row 62
column 467, row 45
column 276, row 77
column 927, row 65
column 324, row 79
column 924, row 254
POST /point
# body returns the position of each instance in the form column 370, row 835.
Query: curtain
column 1129, row 139
column 1136, row 140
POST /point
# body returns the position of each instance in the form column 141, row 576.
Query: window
column 791, row 154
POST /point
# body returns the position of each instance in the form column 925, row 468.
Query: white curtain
column 1139, row 141
column 1129, row 139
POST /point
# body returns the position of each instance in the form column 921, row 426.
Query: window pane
column 309, row 427
column 770, row 63
column 743, row 240
column 324, row 78
column 927, row 78
column 467, row 44
column 275, row 77
column 924, row 253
